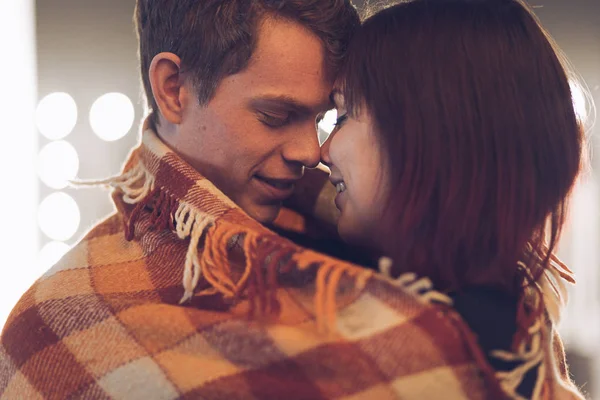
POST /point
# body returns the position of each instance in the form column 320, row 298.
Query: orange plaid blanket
column 180, row 295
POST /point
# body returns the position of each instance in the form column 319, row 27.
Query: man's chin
column 265, row 214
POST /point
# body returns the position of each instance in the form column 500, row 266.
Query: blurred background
column 71, row 104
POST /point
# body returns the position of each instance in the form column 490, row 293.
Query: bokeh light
column 59, row 216
column 58, row 163
column 112, row 116
column 50, row 254
column 56, row 115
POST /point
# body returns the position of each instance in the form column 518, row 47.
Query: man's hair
column 472, row 106
column 216, row 38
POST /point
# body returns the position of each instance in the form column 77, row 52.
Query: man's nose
column 303, row 148
column 325, row 158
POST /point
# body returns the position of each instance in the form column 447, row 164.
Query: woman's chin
column 352, row 231
column 349, row 232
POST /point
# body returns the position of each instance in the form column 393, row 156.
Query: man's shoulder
column 109, row 226
column 67, row 314
column 103, row 245
column 69, row 292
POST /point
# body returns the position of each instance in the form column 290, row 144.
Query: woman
column 455, row 149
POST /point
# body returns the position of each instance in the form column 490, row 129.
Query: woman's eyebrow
column 336, row 93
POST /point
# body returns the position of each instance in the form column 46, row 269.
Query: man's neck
column 163, row 128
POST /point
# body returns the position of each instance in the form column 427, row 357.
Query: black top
column 492, row 316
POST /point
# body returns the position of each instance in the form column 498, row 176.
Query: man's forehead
column 287, row 50
column 287, row 69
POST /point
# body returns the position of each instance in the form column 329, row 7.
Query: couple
column 219, row 277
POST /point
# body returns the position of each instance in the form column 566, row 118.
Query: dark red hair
column 474, row 112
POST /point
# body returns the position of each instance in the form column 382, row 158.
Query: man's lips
column 276, row 188
column 282, row 184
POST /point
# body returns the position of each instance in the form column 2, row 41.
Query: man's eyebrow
column 288, row 102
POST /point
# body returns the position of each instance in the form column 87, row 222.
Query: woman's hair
column 473, row 109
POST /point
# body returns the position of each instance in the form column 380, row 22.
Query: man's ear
column 167, row 84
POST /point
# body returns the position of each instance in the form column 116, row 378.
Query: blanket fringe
column 529, row 350
column 330, row 275
column 193, row 224
column 548, row 294
column 421, row 288
column 264, row 283
column 135, row 184
column 258, row 281
column 138, row 188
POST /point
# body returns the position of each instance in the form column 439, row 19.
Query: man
column 238, row 100
column 234, row 89
column 184, row 293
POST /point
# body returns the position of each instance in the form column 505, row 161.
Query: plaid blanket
column 180, row 295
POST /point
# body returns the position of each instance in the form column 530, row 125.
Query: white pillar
column 18, row 182
column 580, row 250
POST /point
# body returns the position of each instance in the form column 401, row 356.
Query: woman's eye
column 274, row 121
column 340, row 120
column 319, row 118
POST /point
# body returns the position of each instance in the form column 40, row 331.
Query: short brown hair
column 472, row 105
column 216, row 38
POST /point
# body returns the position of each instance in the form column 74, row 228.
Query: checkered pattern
column 106, row 323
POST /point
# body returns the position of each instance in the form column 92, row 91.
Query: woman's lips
column 340, row 188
